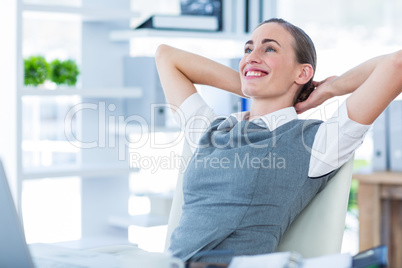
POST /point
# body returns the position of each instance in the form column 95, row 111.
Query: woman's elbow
column 166, row 57
column 396, row 65
column 397, row 61
column 160, row 52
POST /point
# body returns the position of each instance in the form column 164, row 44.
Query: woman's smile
column 251, row 72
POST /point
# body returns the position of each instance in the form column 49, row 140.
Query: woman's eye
column 247, row 50
column 270, row 49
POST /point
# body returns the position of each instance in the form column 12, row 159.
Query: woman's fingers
column 316, row 98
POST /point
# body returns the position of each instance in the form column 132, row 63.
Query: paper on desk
column 329, row 261
column 273, row 260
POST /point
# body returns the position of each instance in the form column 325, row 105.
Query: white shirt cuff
column 348, row 126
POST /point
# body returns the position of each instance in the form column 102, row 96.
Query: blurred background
column 80, row 155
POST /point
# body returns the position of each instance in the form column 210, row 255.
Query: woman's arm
column 374, row 84
column 180, row 70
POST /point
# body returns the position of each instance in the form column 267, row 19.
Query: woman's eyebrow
column 249, row 42
column 267, row 40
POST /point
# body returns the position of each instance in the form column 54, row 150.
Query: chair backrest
column 177, row 203
column 317, row 230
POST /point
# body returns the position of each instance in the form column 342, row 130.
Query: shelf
column 129, row 34
column 144, row 220
column 135, row 129
column 85, row 13
column 75, row 170
column 126, row 92
column 111, row 239
column 161, row 204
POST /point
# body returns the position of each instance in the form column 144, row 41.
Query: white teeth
column 253, row 73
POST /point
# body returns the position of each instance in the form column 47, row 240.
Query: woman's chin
column 251, row 93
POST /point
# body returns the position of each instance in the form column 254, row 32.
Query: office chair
column 317, row 230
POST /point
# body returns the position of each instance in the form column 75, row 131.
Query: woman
column 235, row 198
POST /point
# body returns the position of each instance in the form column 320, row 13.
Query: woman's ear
column 305, row 74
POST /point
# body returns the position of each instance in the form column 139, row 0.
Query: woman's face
column 268, row 67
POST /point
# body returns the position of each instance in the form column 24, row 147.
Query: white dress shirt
column 335, row 141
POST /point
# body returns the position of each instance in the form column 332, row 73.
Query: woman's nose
column 253, row 57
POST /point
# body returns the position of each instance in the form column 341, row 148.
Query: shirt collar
column 270, row 121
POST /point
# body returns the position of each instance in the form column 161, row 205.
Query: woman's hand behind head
column 319, row 95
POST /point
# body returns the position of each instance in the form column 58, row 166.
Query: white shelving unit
column 11, row 75
column 85, row 13
column 77, row 171
column 126, row 92
column 145, row 220
column 104, row 183
column 125, row 35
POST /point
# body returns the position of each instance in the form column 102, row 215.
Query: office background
column 79, row 196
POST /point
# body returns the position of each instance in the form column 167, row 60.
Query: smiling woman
column 286, row 64
column 295, row 44
column 247, row 208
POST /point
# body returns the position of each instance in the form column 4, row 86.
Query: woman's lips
column 255, row 73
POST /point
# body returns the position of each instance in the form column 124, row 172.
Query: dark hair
column 304, row 51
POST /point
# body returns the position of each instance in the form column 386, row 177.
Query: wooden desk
column 380, row 213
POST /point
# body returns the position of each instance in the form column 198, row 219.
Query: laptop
column 14, row 252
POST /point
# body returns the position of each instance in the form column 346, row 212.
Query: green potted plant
column 36, row 70
column 64, row 72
